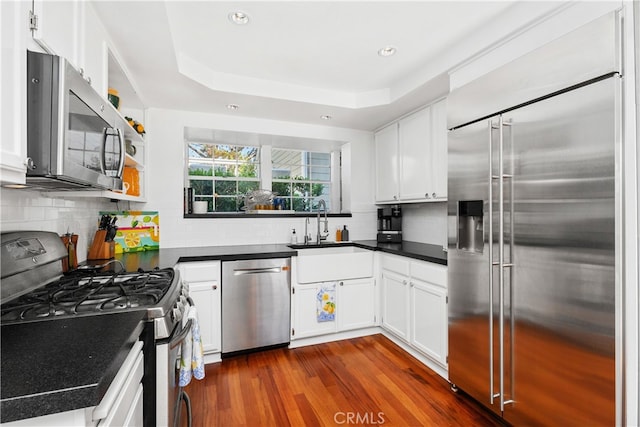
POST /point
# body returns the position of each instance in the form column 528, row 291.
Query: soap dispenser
column 345, row 234
column 294, row 237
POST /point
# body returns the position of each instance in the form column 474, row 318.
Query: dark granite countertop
column 421, row 251
column 60, row 365
column 167, row 258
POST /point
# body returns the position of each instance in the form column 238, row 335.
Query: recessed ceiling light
column 239, row 18
column 233, row 106
column 326, row 117
column 387, row 51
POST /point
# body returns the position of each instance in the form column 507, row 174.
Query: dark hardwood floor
column 362, row 381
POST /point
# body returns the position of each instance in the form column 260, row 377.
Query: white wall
column 32, row 210
column 165, row 181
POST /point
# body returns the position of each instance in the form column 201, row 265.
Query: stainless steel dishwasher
column 256, row 304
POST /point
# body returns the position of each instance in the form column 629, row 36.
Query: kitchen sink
column 330, row 262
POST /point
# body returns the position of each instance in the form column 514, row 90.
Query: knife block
column 100, row 249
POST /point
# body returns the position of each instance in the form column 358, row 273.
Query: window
column 222, row 167
column 222, row 174
column 301, row 178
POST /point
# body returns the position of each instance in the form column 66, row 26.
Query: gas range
column 34, row 288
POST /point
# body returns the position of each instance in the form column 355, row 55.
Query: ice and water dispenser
column 470, row 226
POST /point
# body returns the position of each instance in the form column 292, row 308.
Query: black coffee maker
column 390, row 224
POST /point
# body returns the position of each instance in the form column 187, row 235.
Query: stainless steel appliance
column 256, row 304
column 390, row 224
column 34, row 289
column 75, row 137
column 534, row 234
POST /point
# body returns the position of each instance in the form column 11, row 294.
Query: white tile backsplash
column 425, row 222
column 33, row 210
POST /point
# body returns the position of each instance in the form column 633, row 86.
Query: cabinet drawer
column 429, row 272
column 118, row 412
column 395, row 263
column 204, row 271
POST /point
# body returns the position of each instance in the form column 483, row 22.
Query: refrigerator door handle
column 492, row 263
column 510, row 176
column 501, row 258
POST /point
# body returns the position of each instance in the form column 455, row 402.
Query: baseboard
column 212, row 358
column 435, row 367
column 321, row 339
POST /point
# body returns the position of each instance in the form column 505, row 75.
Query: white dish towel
column 192, row 356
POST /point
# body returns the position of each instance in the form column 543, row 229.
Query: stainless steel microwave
column 75, row 137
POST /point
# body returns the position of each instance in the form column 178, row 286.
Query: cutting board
column 137, row 231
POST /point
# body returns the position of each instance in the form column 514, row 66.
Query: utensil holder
column 100, row 249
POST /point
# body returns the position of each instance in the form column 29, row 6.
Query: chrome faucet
column 307, row 237
column 325, row 233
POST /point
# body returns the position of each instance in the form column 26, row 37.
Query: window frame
column 265, row 174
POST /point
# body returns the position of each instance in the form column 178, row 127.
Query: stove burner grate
column 90, row 293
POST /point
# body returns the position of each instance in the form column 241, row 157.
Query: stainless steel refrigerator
column 533, row 218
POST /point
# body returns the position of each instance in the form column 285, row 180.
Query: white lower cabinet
column 354, row 307
column 357, row 304
column 414, row 304
column 395, row 304
column 203, row 279
column 429, row 319
column 206, row 297
column 305, row 314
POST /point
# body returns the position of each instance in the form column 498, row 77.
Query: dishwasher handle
column 242, row 271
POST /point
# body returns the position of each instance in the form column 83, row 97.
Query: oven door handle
column 177, row 340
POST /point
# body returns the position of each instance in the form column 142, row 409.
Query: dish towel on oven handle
column 192, row 356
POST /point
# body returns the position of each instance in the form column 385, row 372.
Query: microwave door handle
column 103, row 147
column 122, row 154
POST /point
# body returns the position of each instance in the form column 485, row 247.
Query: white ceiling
column 296, row 60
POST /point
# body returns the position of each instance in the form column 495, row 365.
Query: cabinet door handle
column 214, row 287
column 433, row 195
column 341, row 283
column 404, row 282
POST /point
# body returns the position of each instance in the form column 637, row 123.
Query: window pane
column 225, row 170
column 226, row 152
column 204, row 188
column 226, row 204
column 197, row 150
column 317, row 173
column 320, row 159
column 300, row 204
column 246, row 170
column 245, row 186
column 308, row 175
column 281, row 188
column 200, row 169
column 226, row 188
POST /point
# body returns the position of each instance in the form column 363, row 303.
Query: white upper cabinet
column 415, row 156
column 13, row 89
column 386, row 142
column 438, row 162
column 411, row 157
column 57, row 26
